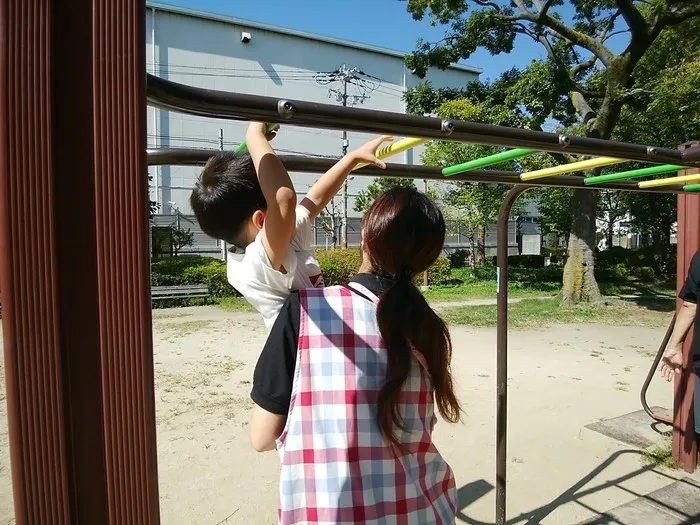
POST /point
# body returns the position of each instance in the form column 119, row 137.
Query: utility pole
column 344, row 224
column 221, row 148
column 425, row 273
column 365, row 83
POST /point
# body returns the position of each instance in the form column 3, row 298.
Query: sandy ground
column 560, row 380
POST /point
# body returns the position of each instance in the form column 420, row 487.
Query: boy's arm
column 330, row 182
column 276, row 185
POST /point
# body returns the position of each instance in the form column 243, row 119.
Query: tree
column 556, row 211
column 474, row 206
column 180, row 239
column 582, row 75
column 366, row 197
column 331, row 217
column 666, row 112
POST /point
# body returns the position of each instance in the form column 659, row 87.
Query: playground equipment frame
column 74, row 260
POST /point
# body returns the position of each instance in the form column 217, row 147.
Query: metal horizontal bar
column 692, row 154
column 692, row 187
column 237, row 106
column 298, row 163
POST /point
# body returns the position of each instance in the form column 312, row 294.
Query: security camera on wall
column 246, row 37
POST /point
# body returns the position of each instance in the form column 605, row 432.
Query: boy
column 248, row 200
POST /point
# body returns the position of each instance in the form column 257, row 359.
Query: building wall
column 189, row 48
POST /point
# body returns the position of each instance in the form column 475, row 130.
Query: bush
column 645, row 273
column 173, row 271
column 459, row 258
column 338, row 266
column 213, row 275
column 526, row 261
column 555, row 251
column 618, row 272
column 646, row 264
column 485, row 273
column 439, row 273
column 521, row 261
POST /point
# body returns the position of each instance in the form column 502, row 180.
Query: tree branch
column 614, row 33
column 671, row 17
column 635, row 20
column 487, row 3
column 543, row 8
column 575, row 37
column 583, row 66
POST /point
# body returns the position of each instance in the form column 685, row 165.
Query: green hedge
column 522, row 261
column 459, row 258
column 174, row 271
column 646, row 264
column 338, row 266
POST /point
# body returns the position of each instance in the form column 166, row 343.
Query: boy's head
column 227, row 199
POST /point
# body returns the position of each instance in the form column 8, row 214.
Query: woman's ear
column 258, row 219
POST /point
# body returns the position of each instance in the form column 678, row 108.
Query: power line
column 364, row 85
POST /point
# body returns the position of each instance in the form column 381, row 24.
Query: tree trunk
column 579, row 280
column 472, row 258
column 481, row 244
column 610, row 233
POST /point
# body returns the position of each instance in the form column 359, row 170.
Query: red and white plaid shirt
column 337, row 468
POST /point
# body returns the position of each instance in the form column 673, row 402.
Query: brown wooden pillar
column 685, row 448
column 74, row 262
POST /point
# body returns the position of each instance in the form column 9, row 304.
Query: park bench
column 184, row 291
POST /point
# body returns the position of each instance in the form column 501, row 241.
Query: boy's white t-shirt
column 266, row 288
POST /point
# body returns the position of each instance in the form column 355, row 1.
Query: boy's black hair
column 226, row 196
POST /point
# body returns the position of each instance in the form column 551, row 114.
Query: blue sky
column 384, row 23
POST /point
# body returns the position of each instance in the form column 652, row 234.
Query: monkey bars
column 74, row 265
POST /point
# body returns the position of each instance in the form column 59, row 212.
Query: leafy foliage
column 582, row 82
column 366, row 197
column 338, row 266
column 174, row 271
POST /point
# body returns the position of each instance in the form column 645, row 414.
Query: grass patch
column 485, row 290
column 652, row 296
column 661, row 455
column 638, row 288
column 234, row 304
column 531, row 313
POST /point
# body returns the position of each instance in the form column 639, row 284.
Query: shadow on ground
column 475, row 490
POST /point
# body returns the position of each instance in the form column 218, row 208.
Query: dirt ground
column 560, row 380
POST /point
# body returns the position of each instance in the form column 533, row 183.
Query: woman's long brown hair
column 403, row 234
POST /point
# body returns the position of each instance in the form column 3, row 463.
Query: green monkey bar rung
column 642, row 172
column 488, row 161
column 691, row 187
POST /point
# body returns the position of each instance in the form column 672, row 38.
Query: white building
column 224, row 53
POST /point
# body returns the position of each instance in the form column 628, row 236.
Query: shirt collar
column 376, row 284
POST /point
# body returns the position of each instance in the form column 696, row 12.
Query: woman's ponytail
column 405, row 319
column 403, row 233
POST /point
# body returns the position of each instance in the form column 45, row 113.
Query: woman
column 346, row 385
